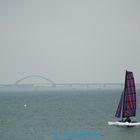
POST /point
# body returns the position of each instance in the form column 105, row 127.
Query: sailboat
column 127, row 104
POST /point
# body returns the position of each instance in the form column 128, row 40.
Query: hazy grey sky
column 69, row 40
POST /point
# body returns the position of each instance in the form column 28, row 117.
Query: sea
column 63, row 115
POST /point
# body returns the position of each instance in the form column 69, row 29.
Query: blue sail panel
column 119, row 109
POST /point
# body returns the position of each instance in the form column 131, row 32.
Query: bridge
column 49, row 83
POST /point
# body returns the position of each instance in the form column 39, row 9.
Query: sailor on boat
column 127, row 120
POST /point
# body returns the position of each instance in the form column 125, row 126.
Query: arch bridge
column 35, row 76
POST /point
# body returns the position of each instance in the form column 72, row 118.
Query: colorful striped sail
column 127, row 105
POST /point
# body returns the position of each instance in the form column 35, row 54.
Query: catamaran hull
column 124, row 123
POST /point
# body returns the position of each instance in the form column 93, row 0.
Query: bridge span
column 51, row 84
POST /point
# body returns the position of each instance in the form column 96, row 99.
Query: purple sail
column 119, row 109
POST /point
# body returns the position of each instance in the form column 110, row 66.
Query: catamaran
column 127, row 104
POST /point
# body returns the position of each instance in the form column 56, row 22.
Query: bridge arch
column 34, row 76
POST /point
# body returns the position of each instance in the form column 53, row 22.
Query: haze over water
column 66, row 41
column 69, row 40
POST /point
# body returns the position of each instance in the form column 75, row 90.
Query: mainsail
column 127, row 105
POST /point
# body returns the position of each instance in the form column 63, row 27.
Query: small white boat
column 127, row 104
column 124, row 123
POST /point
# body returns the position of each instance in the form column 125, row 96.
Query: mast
column 123, row 94
column 122, row 105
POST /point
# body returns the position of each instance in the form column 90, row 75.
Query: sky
column 91, row 41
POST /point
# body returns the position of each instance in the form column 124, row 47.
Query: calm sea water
column 49, row 112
